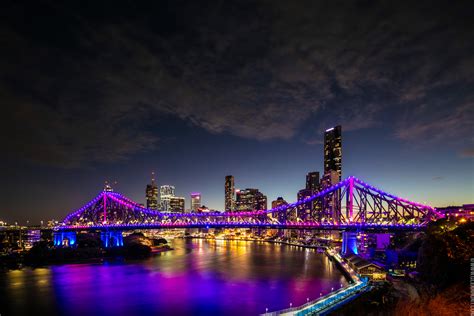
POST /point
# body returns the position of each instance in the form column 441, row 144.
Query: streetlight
column 307, row 300
column 266, row 310
column 291, row 305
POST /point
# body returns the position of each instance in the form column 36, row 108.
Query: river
column 198, row 277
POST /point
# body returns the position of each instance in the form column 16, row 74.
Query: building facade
column 166, row 193
column 305, row 209
column 250, row 200
column 279, row 202
column 229, row 194
column 333, row 150
column 195, row 201
column 151, row 194
column 312, row 181
column 177, row 204
column 330, row 210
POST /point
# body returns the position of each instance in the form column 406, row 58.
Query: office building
column 250, row 200
column 195, row 201
column 333, row 150
column 177, row 204
column 152, row 194
column 278, row 202
column 166, row 193
column 305, row 209
column 229, row 194
column 330, row 209
column 312, row 181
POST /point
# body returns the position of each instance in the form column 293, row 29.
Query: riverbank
column 45, row 256
column 261, row 240
column 334, row 299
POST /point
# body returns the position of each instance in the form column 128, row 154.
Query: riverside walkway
column 332, row 300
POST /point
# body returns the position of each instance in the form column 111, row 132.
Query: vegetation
column 88, row 247
column 444, row 254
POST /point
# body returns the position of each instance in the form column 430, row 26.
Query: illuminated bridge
column 350, row 205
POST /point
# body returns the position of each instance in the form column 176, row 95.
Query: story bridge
column 351, row 205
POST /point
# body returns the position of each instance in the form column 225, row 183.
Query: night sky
column 112, row 90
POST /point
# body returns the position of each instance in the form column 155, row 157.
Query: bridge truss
column 350, row 203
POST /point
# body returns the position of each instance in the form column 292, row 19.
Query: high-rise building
column 279, row 202
column 276, row 203
column 195, row 201
column 329, row 179
column 330, row 209
column 249, row 200
column 309, row 209
column 304, row 210
column 312, row 181
column 166, row 193
column 152, row 194
column 333, row 150
column 177, row 204
column 229, row 194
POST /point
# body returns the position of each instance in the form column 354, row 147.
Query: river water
column 198, row 277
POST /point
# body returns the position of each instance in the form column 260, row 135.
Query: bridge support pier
column 113, row 238
column 349, row 243
column 67, row 239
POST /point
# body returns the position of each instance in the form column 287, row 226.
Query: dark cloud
column 85, row 82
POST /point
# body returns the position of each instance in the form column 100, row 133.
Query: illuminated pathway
column 328, row 302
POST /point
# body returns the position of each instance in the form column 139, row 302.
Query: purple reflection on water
column 198, row 277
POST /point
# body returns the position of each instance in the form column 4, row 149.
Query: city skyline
column 246, row 157
column 204, row 91
column 288, row 195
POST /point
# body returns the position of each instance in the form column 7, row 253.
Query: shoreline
column 94, row 260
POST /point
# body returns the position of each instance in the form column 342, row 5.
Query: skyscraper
column 312, row 181
column 331, row 207
column 333, row 150
column 166, row 193
column 250, row 200
column 229, row 194
column 152, row 194
column 309, row 209
column 177, row 204
column 305, row 209
column 195, row 201
column 278, row 202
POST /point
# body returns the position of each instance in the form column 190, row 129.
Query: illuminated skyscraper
column 229, row 194
column 250, row 200
column 278, row 202
column 312, row 181
column 195, row 201
column 177, row 204
column 306, row 210
column 152, row 194
column 166, row 193
column 333, row 150
column 330, row 209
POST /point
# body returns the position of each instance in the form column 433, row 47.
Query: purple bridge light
column 350, row 204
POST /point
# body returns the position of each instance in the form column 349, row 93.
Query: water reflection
column 198, row 277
